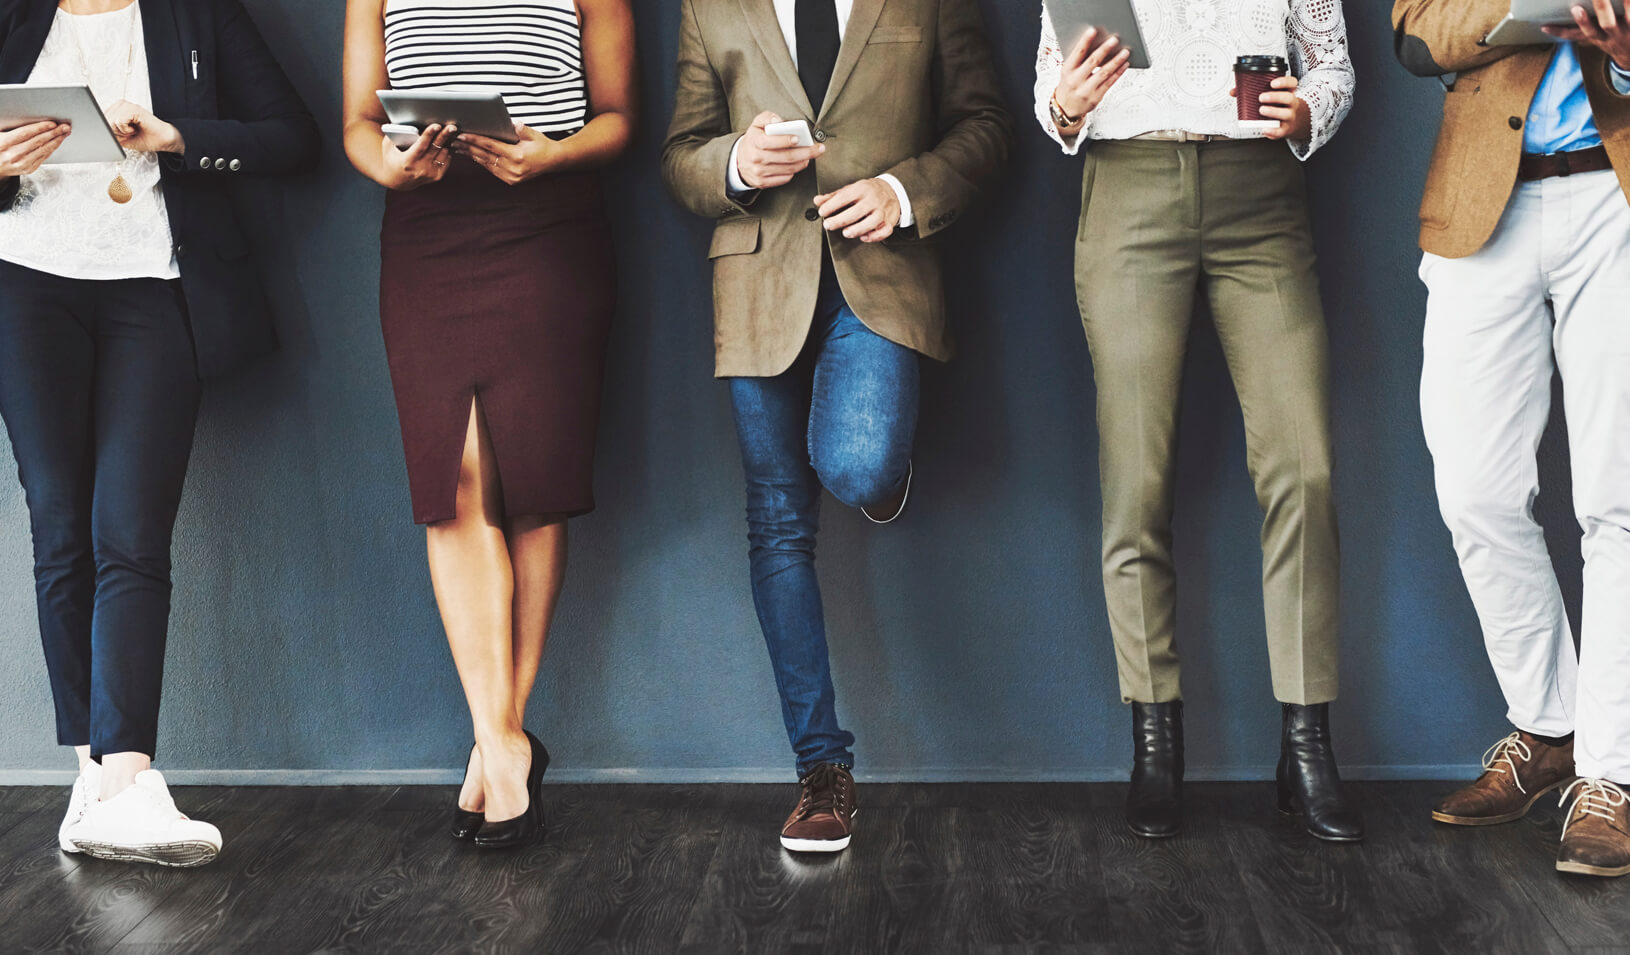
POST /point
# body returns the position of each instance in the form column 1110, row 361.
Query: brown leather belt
column 1535, row 167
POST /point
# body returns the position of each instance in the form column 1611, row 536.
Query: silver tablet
column 1073, row 18
column 1514, row 32
column 1552, row 11
column 92, row 140
column 474, row 111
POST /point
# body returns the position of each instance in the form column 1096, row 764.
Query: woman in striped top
column 496, row 300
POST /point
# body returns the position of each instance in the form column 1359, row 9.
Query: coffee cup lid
column 1261, row 64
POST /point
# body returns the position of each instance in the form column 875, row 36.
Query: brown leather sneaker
column 1516, row 772
column 1596, row 838
column 826, row 811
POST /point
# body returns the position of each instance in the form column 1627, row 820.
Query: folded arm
column 268, row 129
column 976, row 129
column 696, row 157
column 1438, row 37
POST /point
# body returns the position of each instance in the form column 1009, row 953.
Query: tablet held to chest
column 475, row 111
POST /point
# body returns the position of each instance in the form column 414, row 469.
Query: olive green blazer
column 1475, row 165
column 914, row 93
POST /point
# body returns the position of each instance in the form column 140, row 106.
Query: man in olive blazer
column 826, row 285
column 880, row 115
column 1526, row 229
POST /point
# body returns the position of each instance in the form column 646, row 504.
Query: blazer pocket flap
column 896, row 35
column 734, row 237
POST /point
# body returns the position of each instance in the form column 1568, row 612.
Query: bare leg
column 119, row 771
column 474, row 584
column 84, row 754
column 537, row 550
column 537, row 553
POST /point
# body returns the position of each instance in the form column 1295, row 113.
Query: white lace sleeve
column 1049, row 65
column 1319, row 57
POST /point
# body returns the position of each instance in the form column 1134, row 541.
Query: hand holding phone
column 765, row 161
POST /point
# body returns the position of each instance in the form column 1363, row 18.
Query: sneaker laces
column 1597, row 797
column 1508, row 751
column 825, row 790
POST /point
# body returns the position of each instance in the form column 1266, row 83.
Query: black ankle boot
column 1308, row 781
column 1154, row 807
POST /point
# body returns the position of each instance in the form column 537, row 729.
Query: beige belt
column 1182, row 136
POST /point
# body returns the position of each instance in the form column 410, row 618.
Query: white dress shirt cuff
column 734, row 185
column 907, row 219
column 1621, row 78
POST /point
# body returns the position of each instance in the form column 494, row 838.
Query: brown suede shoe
column 1596, row 838
column 826, row 811
column 1516, row 772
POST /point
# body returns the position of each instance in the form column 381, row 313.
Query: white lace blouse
column 63, row 221
column 1192, row 48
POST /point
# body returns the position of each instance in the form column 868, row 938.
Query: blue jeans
column 842, row 417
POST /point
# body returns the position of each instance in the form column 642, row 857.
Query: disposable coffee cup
column 1253, row 76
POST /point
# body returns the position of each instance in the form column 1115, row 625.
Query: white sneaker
column 142, row 824
column 87, row 790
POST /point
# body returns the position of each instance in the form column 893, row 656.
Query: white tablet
column 92, row 140
column 473, row 111
column 1073, row 18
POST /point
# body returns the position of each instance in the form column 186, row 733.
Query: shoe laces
column 826, row 789
column 1508, row 751
column 1597, row 797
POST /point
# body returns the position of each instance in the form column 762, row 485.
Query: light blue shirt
column 1560, row 119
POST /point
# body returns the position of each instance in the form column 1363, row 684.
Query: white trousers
column 1553, row 285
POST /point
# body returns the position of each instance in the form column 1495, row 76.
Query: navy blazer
column 240, row 116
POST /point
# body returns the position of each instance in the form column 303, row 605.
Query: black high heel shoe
column 507, row 833
column 466, row 823
column 1308, row 781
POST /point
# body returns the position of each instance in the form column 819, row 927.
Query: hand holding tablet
column 70, row 110
column 479, row 112
column 1073, row 20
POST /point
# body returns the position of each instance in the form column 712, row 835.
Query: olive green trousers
column 1160, row 224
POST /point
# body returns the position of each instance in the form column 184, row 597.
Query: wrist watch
column 1064, row 121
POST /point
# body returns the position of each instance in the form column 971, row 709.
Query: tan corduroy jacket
column 914, row 93
column 1475, row 166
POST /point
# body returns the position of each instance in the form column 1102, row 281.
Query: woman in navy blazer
column 122, row 285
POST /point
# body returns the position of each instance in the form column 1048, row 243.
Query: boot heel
column 1287, row 801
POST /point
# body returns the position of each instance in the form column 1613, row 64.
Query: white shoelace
column 1508, row 751
column 1597, row 797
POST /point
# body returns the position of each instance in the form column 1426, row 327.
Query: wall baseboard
column 695, row 776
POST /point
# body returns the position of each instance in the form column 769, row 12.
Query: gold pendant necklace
column 118, row 190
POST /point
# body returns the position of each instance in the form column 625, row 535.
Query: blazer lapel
column 166, row 67
column 766, row 29
column 26, row 41
column 862, row 20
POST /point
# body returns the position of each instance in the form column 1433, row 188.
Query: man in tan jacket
column 826, row 285
column 1526, row 230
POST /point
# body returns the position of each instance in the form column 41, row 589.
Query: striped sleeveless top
column 531, row 51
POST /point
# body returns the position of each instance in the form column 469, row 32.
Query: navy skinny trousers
column 99, row 391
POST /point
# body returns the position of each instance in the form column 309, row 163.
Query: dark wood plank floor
column 697, row 869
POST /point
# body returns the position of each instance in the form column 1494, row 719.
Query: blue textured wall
column 969, row 641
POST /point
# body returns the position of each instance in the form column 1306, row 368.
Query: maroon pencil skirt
column 500, row 295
